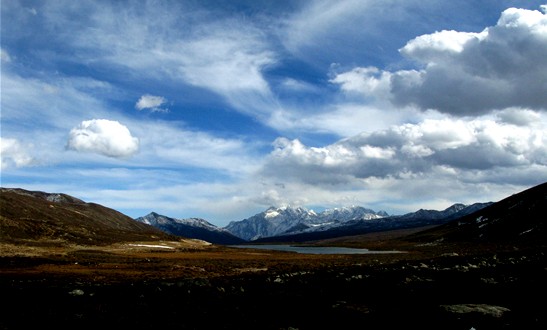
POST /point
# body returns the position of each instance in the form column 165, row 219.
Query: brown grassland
column 192, row 285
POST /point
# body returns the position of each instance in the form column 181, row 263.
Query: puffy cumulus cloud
column 151, row 102
column 13, row 153
column 439, row 45
column 466, row 73
column 432, row 146
column 339, row 163
column 370, row 80
column 102, row 136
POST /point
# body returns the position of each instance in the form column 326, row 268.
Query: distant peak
column 287, row 207
column 456, row 207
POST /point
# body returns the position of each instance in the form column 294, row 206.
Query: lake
column 313, row 249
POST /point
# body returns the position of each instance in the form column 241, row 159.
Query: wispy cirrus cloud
column 223, row 55
column 168, row 145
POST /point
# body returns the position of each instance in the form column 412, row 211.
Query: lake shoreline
column 313, row 249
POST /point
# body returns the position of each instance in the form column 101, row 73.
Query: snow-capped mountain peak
column 288, row 219
column 271, row 213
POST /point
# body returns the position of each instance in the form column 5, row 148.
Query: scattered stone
column 490, row 310
column 76, row 292
column 489, row 280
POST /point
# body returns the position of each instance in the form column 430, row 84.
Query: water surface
column 312, row 249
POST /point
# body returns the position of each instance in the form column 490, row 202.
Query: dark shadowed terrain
column 486, row 270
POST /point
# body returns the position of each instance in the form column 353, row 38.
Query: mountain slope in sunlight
column 33, row 217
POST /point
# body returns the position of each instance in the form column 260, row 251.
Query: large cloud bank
column 105, row 137
column 467, row 73
column 436, row 146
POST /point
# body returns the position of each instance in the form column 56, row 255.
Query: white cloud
column 177, row 42
column 105, row 137
column 429, row 47
column 180, row 147
column 340, row 23
column 13, row 153
column 227, row 59
column 413, row 149
column 498, row 68
column 183, row 45
column 465, row 73
column 151, row 102
column 57, row 101
column 344, row 119
column 406, row 166
column 368, row 81
column 296, row 85
column 519, row 117
column 349, row 31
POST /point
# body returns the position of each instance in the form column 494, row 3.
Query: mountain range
column 56, row 218
column 420, row 218
column 191, row 228
column 277, row 221
column 295, row 223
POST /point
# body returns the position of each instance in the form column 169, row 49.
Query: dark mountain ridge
column 519, row 218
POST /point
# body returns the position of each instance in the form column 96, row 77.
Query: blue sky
column 220, row 109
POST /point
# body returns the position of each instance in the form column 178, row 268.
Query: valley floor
column 161, row 286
